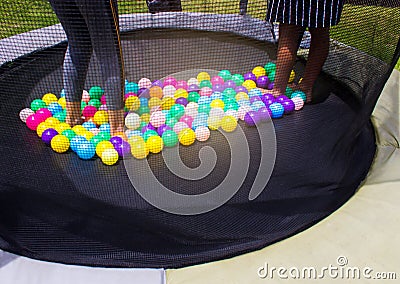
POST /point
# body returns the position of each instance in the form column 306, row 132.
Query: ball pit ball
column 259, row 71
column 182, row 101
column 193, row 81
column 230, row 84
column 170, row 81
column 85, row 150
column 203, row 76
column 213, row 122
column 202, row 133
column 100, row 117
column 145, row 118
column 88, row 135
column 88, row 125
column 69, row 133
column 96, row 92
column 233, row 113
column 182, row 84
column 123, row 148
column 158, row 83
column 242, row 111
column 251, row 118
column 229, row 92
column 298, row 103
column 156, row 92
column 205, row 91
column 218, row 88
column 225, row 74
column 181, row 93
column 144, row 83
column 132, row 103
column 218, row 103
column 255, row 93
column 139, row 149
column 217, row 80
column 94, row 102
column 43, row 113
column 240, row 89
column 76, row 141
column 33, row 120
column 299, row 94
column 187, row 136
column 155, row 144
column 89, row 111
column 269, row 67
column 288, row 106
column 95, row 131
column 238, row 79
column 205, row 83
column 132, row 121
column 167, row 103
column 176, row 111
column 62, row 102
column 109, row 157
column 85, row 96
column 154, row 102
column 131, row 87
column 59, row 143
column 105, row 135
column 149, row 133
column 281, row 98
column 48, row 134
column 162, row 129
column 170, row 138
column 103, row 99
column 41, row 128
column 257, row 105
column 228, row 123
column 249, row 84
column 288, row 92
column 37, row 104
column 61, row 116
column 249, row 76
column 277, row 110
column 61, row 127
column 179, row 126
column 49, row 98
column 271, row 76
column 193, row 97
column 169, row 90
column 262, row 82
column 116, row 140
column 187, row 119
column 102, row 146
column 264, row 114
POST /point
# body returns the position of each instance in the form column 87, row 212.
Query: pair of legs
column 286, row 57
column 92, row 26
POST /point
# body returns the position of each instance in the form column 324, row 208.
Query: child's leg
column 287, row 50
column 319, row 50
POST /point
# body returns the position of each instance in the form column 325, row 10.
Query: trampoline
column 60, row 208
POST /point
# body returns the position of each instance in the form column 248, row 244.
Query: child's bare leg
column 116, row 119
column 74, row 116
column 286, row 57
column 319, row 50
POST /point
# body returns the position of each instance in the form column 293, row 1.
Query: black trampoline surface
column 59, row 208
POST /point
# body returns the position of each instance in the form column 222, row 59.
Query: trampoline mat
column 59, row 208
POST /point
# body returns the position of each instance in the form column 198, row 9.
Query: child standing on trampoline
column 92, row 26
column 294, row 16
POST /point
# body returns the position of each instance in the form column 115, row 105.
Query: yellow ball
column 187, row 136
column 213, row 122
column 228, row 123
column 156, row 92
column 249, row 84
column 167, row 103
column 292, row 75
column 203, row 76
column 41, row 128
column 49, row 98
column 153, row 102
column 52, row 122
column 62, row 102
column 61, row 127
column 155, row 144
column 145, row 117
column 88, row 135
column 100, row 117
column 102, row 146
column 259, row 71
column 139, row 149
column 135, row 139
column 218, row 103
column 241, row 96
column 79, row 129
column 109, row 157
column 59, row 143
column 181, row 93
column 132, row 103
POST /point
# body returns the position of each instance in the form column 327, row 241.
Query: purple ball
column 268, row 99
column 270, row 86
column 241, row 89
column 250, row 76
column 255, row 99
column 123, row 148
column 182, row 101
column 116, row 140
column 230, row 84
column 251, row 118
column 143, row 92
column 264, row 113
column 148, row 127
column 193, row 88
column 162, row 129
column 218, row 88
column 281, row 99
column 262, row 82
column 158, row 83
column 48, row 134
column 288, row 106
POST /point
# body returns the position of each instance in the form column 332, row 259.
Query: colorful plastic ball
column 103, row 100
column 179, row 126
column 85, row 150
column 182, row 101
column 229, row 92
column 270, row 67
column 187, row 136
column 277, row 110
column 180, row 93
column 109, row 157
column 89, row 111
column 204, row 108
column 270, row 86
column 83, row 104
column 105, row 127
column 169, row 91
column 69, row 133
column 217, row 104
column 62, row 102
column 241, row 96
column 262, row 82
column 76, row 141
column 264, row 114
column 61, row 127
column 281, row 98
column 102, row 146
column 143, row 92
column 242, row 88
column 205, row 91
column 251, row 118
column 169, row 138
column 54, row 108
column 167, row 103
column 61, row 116
column 155, row 144
column 85, row 96
column 49, row 98
column 225, row 74
column 162, row 129
column 171, row 121
column 249, row 76
column 199, row 120
column 292, row 76
column 193, row 97
column 105, row 135
column 217, row 80
column 157, row 118
column 204, row 100
column 127, row 95
column 299, row 94
column 144, row 83
column 132, row 103
column 48, row 134
column 138, row 148
column 123, row 148
column 145, row 117
column 298, row 103
column 59, row 143
column 89, row 125
column 177, row 110
column 255, row 99
column 131, row 87
column 203, row 76
column 143, row 109
column 238, row 79
column 193, row 81
column 271, row 76
column 242, row 111
column 170, row 81
column 37, row 104
column 43, row 113
column 187, row 119
column 228, row 123
column 88, row 135
column 213, row 122
column 153, row 102
column 257, row 105
column 288, row 106
column 144, row 101
column 217, row 112
column 288, row 92
column 96, row 92
column 23, row 114
column 33, row 121
column 259, row 71
column 182, row 84
column 148, row 133
column 255, row 92
column 100, row 117
column 249, row 84
column 94, row 102
column 244, row 103
column 132, row 120
column 233, row 113
column 216, row 96
column 205, row 83
column 202, row 133
column 193, row 88
column 41, row 128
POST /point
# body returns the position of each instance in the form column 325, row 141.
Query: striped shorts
column 305, row 13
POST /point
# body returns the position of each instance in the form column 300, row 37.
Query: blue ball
column 299, row 94
column 131, row 88
column 131, row 133
column 277, row 110
column 85, row 150
column 89, row 125
column 76, row 141
column 204, row 100
column 243, row 102
column 105, row 127
column 216, row 95
column 54, row 108
column 257, row 105
column 200, row 120
column 255, row 92
column 144, row 101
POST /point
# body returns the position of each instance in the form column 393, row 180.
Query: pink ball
column 157, row 118
column 33, row 121
column 170, row 81
column 187, row 119
column 43, row 114
column 205, row 91
column 182, row 85
column 144, row 83
column 103, row 99
column 217, row 80
column 89, row 111
column 127, row 95
column 298, row 103
column 179, row 126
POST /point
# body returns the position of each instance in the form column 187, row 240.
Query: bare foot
column 117, row 119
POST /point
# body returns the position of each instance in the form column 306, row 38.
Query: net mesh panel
column 61, row 208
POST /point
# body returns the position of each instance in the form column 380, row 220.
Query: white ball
column 132, row 120
column 298, row 103
column 95, row 131
column 242, row 111
column 233, row 113
column 144, row 83
column 23, row 114
column 169, row 91
column 202, row 133
column 193, row 81
column 157, row 118
column 217, row 112
column 179, row 126
column 191, row 109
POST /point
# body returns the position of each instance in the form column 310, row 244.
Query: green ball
column 229, row 92
column 238, row 79
column 269, row 67
column 231, row 105
column 97, row 139
column 193, row 97
column 177, row 110
column 104, row 135
column 37, row 104
column 204, row 108
column 225, row 74
column 299, row 94
column 83, row 104
column 69, row 133
column 94, row 102
column 228, row 100
column 171, row 121
column 148, row 134
column 96, row 92
column 271, row 76
column 61, row 115
column 131, row 88
column 288, row 92
column 205, row 83
column 170, row 138
column 143, row 109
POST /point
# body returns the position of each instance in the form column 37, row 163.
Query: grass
column 361, row 27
